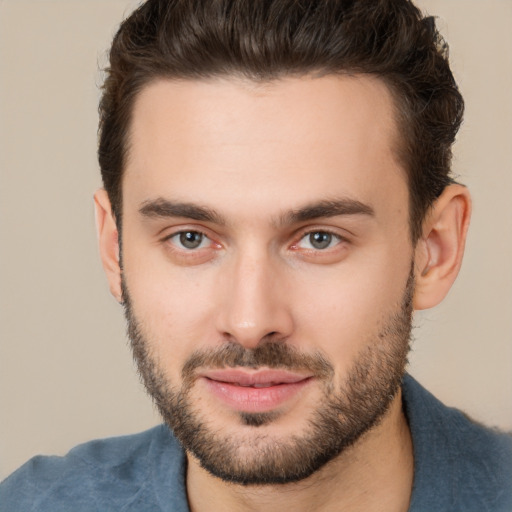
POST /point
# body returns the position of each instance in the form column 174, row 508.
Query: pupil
column 191, row 239
column 320, row 240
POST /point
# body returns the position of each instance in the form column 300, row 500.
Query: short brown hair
column 267, row 39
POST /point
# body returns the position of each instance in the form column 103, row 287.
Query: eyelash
column 180, row 234
column 311, row 232
column 294, row 246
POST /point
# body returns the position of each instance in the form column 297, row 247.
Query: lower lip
column 249, row 399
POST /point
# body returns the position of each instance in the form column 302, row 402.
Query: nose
column 255, row 304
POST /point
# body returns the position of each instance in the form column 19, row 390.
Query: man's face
column 267, row 267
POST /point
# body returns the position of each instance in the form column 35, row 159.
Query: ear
column 108, row 239
column 438, row 254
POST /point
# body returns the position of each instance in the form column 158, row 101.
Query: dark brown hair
column 267, row 39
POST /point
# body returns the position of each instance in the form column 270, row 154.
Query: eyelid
column 306, row 231
column 178, row 224
column 171, row 231
column 183, row 256
column 177, row 230
column 176, row 240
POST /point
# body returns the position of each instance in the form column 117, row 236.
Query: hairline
column 399, row 117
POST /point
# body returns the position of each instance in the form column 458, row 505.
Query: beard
column 344, row 414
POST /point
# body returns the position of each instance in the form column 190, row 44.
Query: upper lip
column 255, row 377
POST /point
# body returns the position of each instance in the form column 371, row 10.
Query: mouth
column 254, row 391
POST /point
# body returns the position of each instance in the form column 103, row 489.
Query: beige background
column 66, row 374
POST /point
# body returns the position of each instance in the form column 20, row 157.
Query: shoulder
column 458, row 462
column 99, row 475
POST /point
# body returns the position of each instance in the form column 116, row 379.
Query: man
column 277, row 202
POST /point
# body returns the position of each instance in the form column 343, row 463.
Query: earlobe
column 108, row 240
column 439, row 252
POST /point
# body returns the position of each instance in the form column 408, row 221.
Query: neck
column 375, row 474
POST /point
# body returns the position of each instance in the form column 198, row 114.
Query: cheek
column 337, row 310
column 174, row 310
column 346, row 310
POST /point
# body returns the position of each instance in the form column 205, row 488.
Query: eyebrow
column 163, row 208
column 328, row 208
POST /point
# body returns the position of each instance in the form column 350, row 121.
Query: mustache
column 271, row 354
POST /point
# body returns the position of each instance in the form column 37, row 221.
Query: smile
column 254, row 391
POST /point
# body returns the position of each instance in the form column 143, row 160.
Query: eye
column 319, row 240
column 189, row 240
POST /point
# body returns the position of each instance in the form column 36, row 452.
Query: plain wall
column 66, row 373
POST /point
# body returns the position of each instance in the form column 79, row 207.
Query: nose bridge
column 254, row 305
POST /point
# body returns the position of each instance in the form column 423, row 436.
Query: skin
column 253, row 154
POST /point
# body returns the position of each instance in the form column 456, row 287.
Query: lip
column 254, row 391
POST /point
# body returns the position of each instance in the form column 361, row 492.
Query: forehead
column 291, row 141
